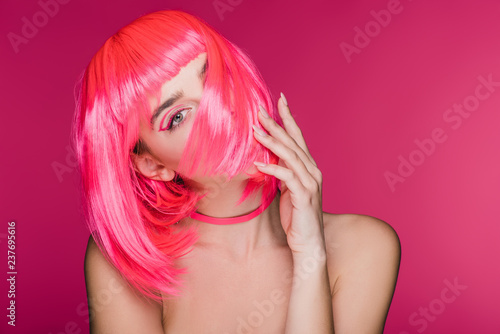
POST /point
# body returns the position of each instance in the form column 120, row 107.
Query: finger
column 276, row 131
column 291, row 126
column 288, row 156
column 287, row 177
column 281, row 134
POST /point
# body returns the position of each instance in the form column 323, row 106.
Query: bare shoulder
column 114, row 307
column 354, row 240
column 359, row 232
column 95, row 261
column 363, row 257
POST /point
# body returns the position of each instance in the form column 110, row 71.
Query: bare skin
column 363, row 260
column 230, row 291
column 273, row 274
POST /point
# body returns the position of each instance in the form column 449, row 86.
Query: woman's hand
column 301, row 181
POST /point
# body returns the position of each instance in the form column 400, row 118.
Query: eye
column 175, row 120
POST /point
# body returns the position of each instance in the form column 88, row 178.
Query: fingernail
column 259, row 131
column 284, row 98
column 260, row 164
column 263, row 111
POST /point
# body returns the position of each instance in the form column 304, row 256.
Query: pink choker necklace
column 232, row 220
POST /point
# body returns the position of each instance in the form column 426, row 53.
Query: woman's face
column 171, row 123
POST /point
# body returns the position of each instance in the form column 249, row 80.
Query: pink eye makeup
column 177, row 117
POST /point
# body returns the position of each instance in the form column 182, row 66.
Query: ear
column 151, row 168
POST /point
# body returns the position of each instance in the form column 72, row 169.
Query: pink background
column 359, row 114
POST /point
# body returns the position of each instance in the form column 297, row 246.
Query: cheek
column 169, row 148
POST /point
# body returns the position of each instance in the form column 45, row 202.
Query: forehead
column 190, row 71
column 189, row 77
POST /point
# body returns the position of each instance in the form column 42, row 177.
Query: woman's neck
column 266, row 201
column 242, row 238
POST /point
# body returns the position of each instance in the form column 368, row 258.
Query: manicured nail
column 260, row 164
column 259, row 131
column 263, row 111
column 284, row 98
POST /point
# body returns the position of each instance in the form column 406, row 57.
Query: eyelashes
column 175, row 120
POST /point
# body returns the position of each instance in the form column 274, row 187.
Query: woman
column 204, row 202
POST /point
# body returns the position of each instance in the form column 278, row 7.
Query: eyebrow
column 174, row 98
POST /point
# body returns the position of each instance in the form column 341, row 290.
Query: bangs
column 221, row 141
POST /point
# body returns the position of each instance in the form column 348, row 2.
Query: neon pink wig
column 130, row 216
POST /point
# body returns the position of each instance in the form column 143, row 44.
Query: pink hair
column 129, row 215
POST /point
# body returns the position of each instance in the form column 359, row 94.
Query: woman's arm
column 364, row 253
column 364, row 281
column 301, row 215
column 310, row 304
column 114, row 308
